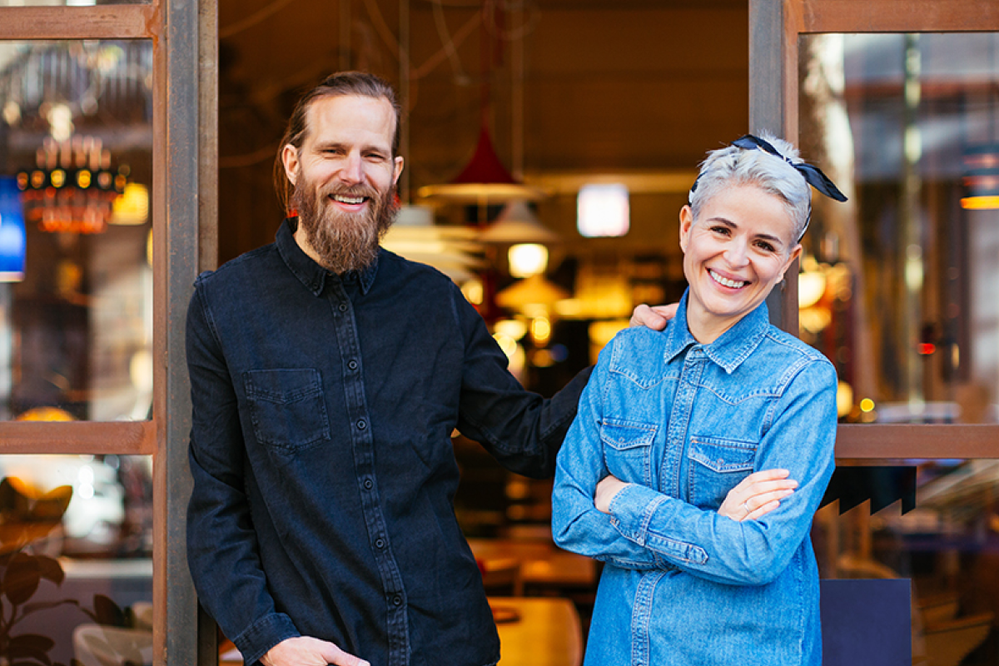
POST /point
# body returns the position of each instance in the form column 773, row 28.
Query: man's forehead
column 373, row 116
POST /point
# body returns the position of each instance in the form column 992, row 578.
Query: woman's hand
column 756, row 495
column 608, row 487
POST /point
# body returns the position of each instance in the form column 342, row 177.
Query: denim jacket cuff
column 264, row 634
column 632, row 508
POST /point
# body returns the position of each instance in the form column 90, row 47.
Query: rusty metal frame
column 774, row 28
column 184, row 209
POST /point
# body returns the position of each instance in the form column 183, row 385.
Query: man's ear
column 289, row 158
column 397, row 169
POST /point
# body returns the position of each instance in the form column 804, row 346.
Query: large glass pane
column 899, row 285
column 75, row 559
column 75, row 175
column 68, row 3
column 898, row 288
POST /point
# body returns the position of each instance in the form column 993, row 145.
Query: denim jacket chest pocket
column 716, row 465
column 287, row 407
column 627, row 449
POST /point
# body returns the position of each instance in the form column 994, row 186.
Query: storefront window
column 75, row 177
column 68, row 3
column 898, row 286
column 898, row 289
column 75, row 558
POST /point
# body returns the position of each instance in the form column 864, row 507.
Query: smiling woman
column 655, row 472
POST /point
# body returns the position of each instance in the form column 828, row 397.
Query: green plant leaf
column 33, row 641
column 17, row 653
column 108, row 612
column 21, row 578
column 51, row 569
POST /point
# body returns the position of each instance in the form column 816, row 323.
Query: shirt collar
column 311, row 274
column 731, row 348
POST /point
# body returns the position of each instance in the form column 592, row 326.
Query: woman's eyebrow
column 732, row 225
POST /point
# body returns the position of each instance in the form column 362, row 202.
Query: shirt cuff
column 264, row 634
column 642, row 515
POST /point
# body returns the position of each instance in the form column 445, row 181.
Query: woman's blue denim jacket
column 685, row 422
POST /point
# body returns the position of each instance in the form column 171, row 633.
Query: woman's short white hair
column 733, row 165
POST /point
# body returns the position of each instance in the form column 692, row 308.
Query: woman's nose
column 736, row 253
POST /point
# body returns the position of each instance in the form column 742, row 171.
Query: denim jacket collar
column 731, row 348
column 308, row 272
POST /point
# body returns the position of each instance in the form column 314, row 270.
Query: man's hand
column 306, row 651
column 654, row 317
column 757, row 494
column 606, row 489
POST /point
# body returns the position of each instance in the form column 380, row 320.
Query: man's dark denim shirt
column 323, row 408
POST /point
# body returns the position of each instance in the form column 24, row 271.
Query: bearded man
column 327, row 376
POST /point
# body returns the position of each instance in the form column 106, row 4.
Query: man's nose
column 352, row 169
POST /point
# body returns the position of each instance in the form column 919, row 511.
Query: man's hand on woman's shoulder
column 654, row 317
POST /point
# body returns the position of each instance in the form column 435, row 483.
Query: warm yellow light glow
column 844, row 399
column 527, row 259
column 132, row 206
column 867, row 405
column 811, row 286
column 980, row 203
column 473, row 291
column 506, row 343
column 512, row 328
column 541, row 331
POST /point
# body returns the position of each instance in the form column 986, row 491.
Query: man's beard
column 344, row 241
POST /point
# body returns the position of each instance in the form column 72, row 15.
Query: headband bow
column 813, row 176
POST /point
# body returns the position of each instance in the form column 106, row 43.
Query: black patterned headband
column 812, row 174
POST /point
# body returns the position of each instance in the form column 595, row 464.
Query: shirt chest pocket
column 716, row 466
column 627, row 449
column 287, row 407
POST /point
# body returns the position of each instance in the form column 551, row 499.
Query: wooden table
column 543, row 564
column 546, row 631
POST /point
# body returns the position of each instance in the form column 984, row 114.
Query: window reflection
column 898, row 286
column 947, row 545
column 68, row 3
column 76, row 146
column 75, row 544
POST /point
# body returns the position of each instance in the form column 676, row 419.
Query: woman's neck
column 705, row 327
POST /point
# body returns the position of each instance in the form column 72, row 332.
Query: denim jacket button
column 361, row 425
column 379, row 543
column 397, row 600
column 352, row 365
column 368, row 484
column 343, row 307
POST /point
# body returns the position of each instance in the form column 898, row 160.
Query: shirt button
column 343, row 307
column 352, row 365
column 361, row 425
column 397, row 600
column 379, row 543
column 368, row 484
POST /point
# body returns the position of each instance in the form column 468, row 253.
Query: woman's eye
column 765, row 246
column 720, row 230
